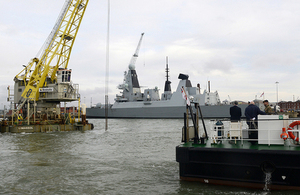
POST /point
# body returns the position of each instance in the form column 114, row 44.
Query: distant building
column 289, row 106
column 227, row 102
column 69, row 110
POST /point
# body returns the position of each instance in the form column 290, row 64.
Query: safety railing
column 263, row 131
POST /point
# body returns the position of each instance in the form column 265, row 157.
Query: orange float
column 284, row 135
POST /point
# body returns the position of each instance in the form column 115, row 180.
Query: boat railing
column 266, row 131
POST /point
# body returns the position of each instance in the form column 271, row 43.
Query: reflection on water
column 268, row 181
column 133, row 157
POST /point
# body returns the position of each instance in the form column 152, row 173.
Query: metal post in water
column 106, row 112
column 107, row 66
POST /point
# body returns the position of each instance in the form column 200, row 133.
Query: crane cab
column 60, row 90
column 64, row 75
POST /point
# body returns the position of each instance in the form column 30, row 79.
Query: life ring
column 292, row 136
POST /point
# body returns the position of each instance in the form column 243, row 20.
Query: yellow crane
column 46, row 79
column 57, row 53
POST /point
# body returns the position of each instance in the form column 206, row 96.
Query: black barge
column 225, row 155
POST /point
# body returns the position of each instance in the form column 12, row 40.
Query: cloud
column 218, row 65
column 275, row 61
column 242, row 47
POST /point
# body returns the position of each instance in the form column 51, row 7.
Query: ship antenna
column 167, row 83
column 167, row 68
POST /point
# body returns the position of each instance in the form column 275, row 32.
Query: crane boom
column 56, row 26
column 136, row 54
column 57, row 52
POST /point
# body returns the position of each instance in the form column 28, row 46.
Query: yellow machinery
column 46, row 81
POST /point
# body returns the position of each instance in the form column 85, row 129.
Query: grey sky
column 242, row 47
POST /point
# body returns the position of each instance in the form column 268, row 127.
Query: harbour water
column 135, row 156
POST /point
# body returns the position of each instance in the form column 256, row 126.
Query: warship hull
column 276, row 169
column 157, row 112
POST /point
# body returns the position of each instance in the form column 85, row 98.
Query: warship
column 133, row 103
column 224, row 154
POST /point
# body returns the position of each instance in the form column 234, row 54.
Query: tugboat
column 224, row 154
